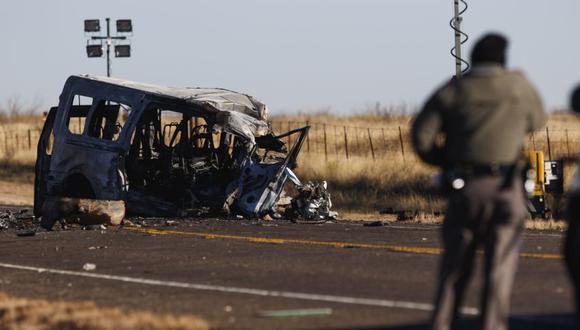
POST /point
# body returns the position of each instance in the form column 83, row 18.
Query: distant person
column 572, row 243
column 473, row 128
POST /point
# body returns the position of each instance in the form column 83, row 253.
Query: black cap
column 575, row 99
column 491, row 48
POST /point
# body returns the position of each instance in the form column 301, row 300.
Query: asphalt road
column 232, row 271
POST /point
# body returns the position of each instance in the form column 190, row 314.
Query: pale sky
column 295, row 55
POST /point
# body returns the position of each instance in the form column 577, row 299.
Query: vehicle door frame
column 43, row 159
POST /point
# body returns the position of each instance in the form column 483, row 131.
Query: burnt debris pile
column 312, row 203
column 21, row 219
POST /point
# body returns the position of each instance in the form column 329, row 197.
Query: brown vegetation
column 38, row 314
column 395, row 178
column 361, row 183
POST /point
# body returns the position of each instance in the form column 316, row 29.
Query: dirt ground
column 16, row 193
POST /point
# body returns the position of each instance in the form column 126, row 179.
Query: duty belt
column 484, row 170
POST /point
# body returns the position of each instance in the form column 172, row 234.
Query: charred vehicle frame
column 163, row 151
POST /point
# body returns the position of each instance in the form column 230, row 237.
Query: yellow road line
column 265, row 240
column 546, row 256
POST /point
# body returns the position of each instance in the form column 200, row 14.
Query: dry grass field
column 367, row 159
column 394, row 177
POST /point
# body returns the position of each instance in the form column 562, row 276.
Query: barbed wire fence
column 15, row 140
column 344, row 142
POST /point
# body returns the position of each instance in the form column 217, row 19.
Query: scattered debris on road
column 157, row 151
column 98, row 247
column 312, row 203
column 89, row 267
column 374, row 224
column 411, row 215
column 307, row 312
column 21, row 220
column 26, row 233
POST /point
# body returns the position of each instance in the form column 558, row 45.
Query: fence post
column 548, row 140
column 17, row 144
column 308, row 138
column 345, row 142
column 357, row 145
column 335, row 142
column 533, row 141
column 325, row 147
column 402, row 145
column 289, row 139
column 29, row 140
column 567, row 144
column 5, row 142
column 384, row 140
column 371, row 143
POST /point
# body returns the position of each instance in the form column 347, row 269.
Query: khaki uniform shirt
column 481, row 118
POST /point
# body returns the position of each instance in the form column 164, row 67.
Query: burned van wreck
column 162, row 151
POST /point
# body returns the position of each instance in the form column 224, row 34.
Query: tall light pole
column 95, row 42
column 460, row 38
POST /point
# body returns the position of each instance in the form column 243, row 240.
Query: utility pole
column 109, row 46
column 456, row 23
column 460, row 38
column 96, row 49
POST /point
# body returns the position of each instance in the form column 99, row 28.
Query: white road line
column 255, row 292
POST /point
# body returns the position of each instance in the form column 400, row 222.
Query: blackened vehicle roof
column 236, row 113
column 216, row 99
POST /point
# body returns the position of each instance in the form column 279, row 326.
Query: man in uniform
column 473, row 128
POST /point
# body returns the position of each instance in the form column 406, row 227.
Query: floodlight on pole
column 124, row 26
column 122, row 51
column 96, row 49
column 92, row 25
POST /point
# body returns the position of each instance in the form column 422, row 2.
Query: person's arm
column 426, row 128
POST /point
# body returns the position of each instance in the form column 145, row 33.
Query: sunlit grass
column 359, row 184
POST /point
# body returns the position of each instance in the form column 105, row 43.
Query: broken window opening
column 107, row 119
column 77, row 113
column 160, row 159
